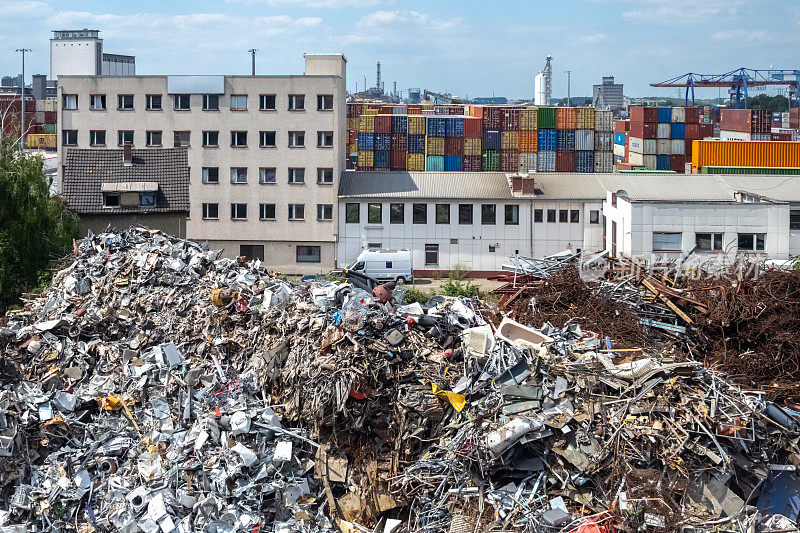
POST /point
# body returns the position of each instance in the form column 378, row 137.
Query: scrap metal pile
column 157, row 387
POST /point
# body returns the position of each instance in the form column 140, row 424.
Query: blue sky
column 469, row 48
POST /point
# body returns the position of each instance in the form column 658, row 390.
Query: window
column 308, row 254
column 324, row 102
column 239, row 211
column 562, row 215
column 751, row 242
column 488, row 214
column 69, row 137
column 352, row 213
column 97, row 138
column 431, row 254
column 297, row 102
column 251, row 252
column 297, row 211
column 492, row 248
column 537, row 215
column 210, row 210
column 210, row 138
column 574, row 216
column 70, row 101
column 153, row 102
column 97, row 102
column 374, row 213
column 238, row 138
column 594, row 216
column 374, row 245
column 419, row 213
column 266, row 139
column 512, row 215
column 465, row 213
column 297, row 175
column 181, row 138
column 210, row 102
column 147, row 199
column 182, row 102
column 324, row 211
column 613, row 199
column 325, row 176
column 124, row 136
column 238, row 102
column 551, row 215
column 238, row 175
column 396, row 213
column 324, row 139
column 442, row 213
column 266, row 102
column 124, row 101
column 708, row 242
column 667, row 242
column 111, row 199
column 267, row 175
column 266, row 211
column 210, row 174
column 152, row 138
column 297, row 139
column 794, row 218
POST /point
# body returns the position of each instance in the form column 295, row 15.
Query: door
column 613, row 238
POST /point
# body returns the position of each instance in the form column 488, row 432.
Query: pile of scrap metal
column 156, row 386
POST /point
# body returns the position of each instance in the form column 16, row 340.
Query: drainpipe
column 530, row 217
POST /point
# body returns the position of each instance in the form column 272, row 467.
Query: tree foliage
column 776, row 104
column 35, row 228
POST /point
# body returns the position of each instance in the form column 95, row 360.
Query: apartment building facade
column 264, row 152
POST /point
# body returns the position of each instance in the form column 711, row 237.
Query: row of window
column 666, row 241
column 419, row 214
column 268, row 175
column 210, row 139
column 304, row 254
column 268, row 211
column 182, row 102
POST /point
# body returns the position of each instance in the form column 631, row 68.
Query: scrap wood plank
column 663, row 297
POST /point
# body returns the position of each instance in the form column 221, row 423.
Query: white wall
column 75, row 57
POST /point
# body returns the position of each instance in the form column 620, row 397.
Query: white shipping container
column 664, row 147
column 603, row 161
column 527, row 163
column 678, row 114
column 584, row 139
column 734, row 135
column 400, row 110
column 642, row 146
column 760, row 136
column 646, row 161
column 619, row 150
column 50, row 105
column 663, row 130
column 678, row 146
column 603, row 140
column 603, row 121
column 785, row 116
column 790, row 131
column 785, row 123
column 546, row 161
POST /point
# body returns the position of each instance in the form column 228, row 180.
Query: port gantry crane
column 738, row 82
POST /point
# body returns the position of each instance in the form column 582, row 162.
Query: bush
column 455, row 287
column 413, row 295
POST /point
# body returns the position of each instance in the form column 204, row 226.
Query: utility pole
column 253, row 53
column 22, row 100
column 569, row 76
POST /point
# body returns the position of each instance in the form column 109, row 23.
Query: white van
column 393, row 265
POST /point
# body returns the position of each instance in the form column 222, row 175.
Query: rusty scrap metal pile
column 158, row 387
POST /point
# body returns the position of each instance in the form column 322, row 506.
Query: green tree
column 776, row 104
column 35, row 228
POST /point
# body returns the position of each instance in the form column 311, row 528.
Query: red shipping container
column 397, row 160
column 398, row 142
column 687, row 150
column 473, row 127
column 644, row 130
column 706, row 130
column 509, row 121
column 624, row 166
column 692, row 115
column 491, row 118
column 509, row 160
column 621, row 126
column 49, row 117
column 383, row 124
column 736, row 120
column 677, row 163
column 643, row 114
column 477, row 111
column 352, row 137
column 454, row 146
column 565, row 161
column 472, row 163
column 692, row 131
column 385, row 110
column 781, row 136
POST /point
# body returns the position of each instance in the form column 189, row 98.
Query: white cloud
column 681, row 11
column 742, row 36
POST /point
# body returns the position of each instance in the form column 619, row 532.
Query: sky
column 468, row 48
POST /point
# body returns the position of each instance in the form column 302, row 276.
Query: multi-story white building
column 264, row 152
column 80, row 52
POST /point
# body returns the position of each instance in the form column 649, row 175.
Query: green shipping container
column 547, row 118
column 50, row 128
column 491, row 160
column 774, row 171
column 434, row 163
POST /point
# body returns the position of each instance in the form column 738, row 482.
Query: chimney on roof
column 127, row 154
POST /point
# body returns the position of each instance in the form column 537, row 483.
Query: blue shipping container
column 547, row 140
column 678, row 131
column 382, row 159
column 399, row 124
column 366, row 141
column 416, row 144
column 434, row 163
column 565, row 140
column 491, row 140
column 454, row 127
column 383, row 141
column 435, row 126
column 665, row 114
column 584, row 161
column 619, row 138
column 453, row 163
column 662, row 162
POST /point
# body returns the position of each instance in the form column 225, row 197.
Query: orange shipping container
column 527, row 141
column 565, row 118
column 780, row 154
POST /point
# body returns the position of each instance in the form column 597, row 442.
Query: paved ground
column 427, row 284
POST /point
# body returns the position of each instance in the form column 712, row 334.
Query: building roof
column 430, row 185
column 668, row 187
column 86, row 170
column 781, row 188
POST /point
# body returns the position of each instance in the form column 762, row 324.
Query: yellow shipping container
column 370, row 111
column 528, row 118
column 366, row 123
column 584, row 118
column 415, row 125
column 415, row 163
column 41, row 140
column 352, row 123
column 745, row 154
column 352, row 148
column 427, row 107
column 434, row 145
column 472, row 146
column 508, row 140
column 365, row 160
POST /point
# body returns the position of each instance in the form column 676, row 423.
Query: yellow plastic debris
column 456, row 400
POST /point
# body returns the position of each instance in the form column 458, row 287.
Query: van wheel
column 400, row 280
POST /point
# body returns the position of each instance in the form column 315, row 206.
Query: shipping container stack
column 660, row 138
column 714, row 156
column 745, row 125
column 621, row 138
column 40, row 121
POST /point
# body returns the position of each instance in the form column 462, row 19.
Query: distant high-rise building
column 80, row 52
column 11, row 81
column 608, row 95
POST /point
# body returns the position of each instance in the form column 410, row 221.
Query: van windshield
column 357, row 265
